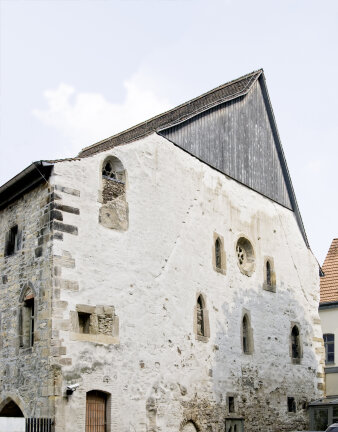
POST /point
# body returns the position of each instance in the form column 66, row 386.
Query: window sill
column 296, row 361
column 202, row 338
column 220, row 270
column 96, row 338
column 271, row 288
column 26, row 350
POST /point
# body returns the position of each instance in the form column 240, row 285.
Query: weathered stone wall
column 158, row 375
column 26, row 374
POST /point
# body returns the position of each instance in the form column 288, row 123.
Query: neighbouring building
column 325, row 410
column 162, row 279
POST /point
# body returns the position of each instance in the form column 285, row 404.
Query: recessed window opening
column 218, row 255
column 27, row 319
column 12, row 239
column 200, row 317
column 329, row 348
column 268, row 273
column 295, row 342
column 245, row 339
column 291, row 404
column 84, row 322
column 29, row 305
column 245, row 256
column 231, row 404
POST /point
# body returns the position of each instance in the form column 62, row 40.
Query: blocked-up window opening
column 295, row 343
column 218, row 254
column 292, row 404
column 113, row 179
column 245, row 329
column 84, row 322
column 12, row 241
column 105, row 324
column 200, row 317
column 329, row 348
column 114, row 210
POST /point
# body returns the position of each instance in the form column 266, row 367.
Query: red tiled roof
column 329, row 283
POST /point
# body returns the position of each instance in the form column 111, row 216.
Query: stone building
column 162, row 279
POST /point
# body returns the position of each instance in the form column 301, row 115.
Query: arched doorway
column 96, row 411
column 189, row 427
column 11, row 417
column 11, row 409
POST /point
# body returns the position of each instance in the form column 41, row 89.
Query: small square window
column 84, row 322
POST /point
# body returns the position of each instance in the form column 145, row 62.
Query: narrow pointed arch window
column 245, row 337
column 218, row 254
column 27, row 318
column 201, row 319
column 268, row 273
column 295, row 343
column 246, row 332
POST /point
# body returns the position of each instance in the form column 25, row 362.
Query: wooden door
column 96, row 412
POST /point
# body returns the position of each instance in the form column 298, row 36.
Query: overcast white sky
column 76, row 71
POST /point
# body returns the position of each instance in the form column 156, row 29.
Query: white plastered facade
column 157, row 374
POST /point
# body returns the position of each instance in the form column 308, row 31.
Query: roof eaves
column 30, row 177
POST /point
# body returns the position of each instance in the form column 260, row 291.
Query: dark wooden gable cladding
column 240, row 139
column 236, row 138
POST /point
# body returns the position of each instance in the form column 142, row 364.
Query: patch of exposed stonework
column 25, row 370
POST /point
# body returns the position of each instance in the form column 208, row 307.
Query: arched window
column 268, row 273
column 218, row 255
column 247, row 339
column 27, row 317
column 200, row 317
column 295, row 343
column 96, row 411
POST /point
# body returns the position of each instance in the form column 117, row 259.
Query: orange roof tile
column 329, row 282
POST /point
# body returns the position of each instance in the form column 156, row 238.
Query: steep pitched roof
column 329, row 282
column 226, row 92
column 269, row 177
